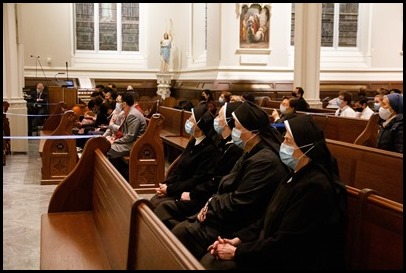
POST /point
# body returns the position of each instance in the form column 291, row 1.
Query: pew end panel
column 59, row 155
column 146, row 161
column 369, row 136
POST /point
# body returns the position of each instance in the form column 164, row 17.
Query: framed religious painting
column 255, row 25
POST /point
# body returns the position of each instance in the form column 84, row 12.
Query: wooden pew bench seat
column 77, row 235
column 96, row 220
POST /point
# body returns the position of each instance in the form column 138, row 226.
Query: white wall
column 47, row 31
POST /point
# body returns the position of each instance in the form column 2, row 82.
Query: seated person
column 288, row 110
column 302, row 104
column 390, row 136
column 133, row 127
column 304, row 225
column 362, row 109
column 172, row 212
column 377, row 102
column 190, row 177
column 116, row 120
column 344, row 105
column 248, row 96
column 88, row 119
column 224, row 97
column 244, row 193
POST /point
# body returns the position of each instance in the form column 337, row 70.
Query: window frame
column 114, row 58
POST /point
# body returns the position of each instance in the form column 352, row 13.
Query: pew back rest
column 338, row 128
column 374, row 231
column 173, row 119
column 164, row 250
column 367, row 167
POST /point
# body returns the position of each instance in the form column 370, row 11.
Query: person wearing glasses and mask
column 288, row 111
column 192, row 170
column 244, row 193
column 391, row 133
column 303, row 227
column 172, row 212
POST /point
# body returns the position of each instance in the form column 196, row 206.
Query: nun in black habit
column 172, row 212
column 195, row 161
column 243, row 194
column 304, row 225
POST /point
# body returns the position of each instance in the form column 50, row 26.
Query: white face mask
column 221, row 100
column 377, row 105
column 119, row 106
column 282, row 109
column 384, row 113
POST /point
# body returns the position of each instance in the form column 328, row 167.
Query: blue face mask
column 189, row 127
column 286, row 155
column 236, row 137
column 339, row 102
column 377, row 105
column 219, row 129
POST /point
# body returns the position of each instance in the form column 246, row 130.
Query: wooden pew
column 369, row 137
column 52, row 122
column 367, row 167
column 146, row 161
column 96, row 220
column 374, row 232
column 268, row 103
column 360, row 166
column 58, row 156
column 173, row 132
column 338, row 128
column 334, row 127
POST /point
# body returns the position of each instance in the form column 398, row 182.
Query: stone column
column 13, row 78
column 307, row 51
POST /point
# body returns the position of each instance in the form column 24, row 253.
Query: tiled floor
column 24, row 200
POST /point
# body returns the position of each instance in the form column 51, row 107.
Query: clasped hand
column 161, row 191
column 224, row 249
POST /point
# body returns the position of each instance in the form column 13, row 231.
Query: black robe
column 171, row 212
column 241, row 199
column 303, row 228
column 191, row 171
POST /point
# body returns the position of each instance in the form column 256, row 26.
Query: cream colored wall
column 46, row 31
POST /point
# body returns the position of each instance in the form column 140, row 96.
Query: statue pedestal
column 164, row 85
